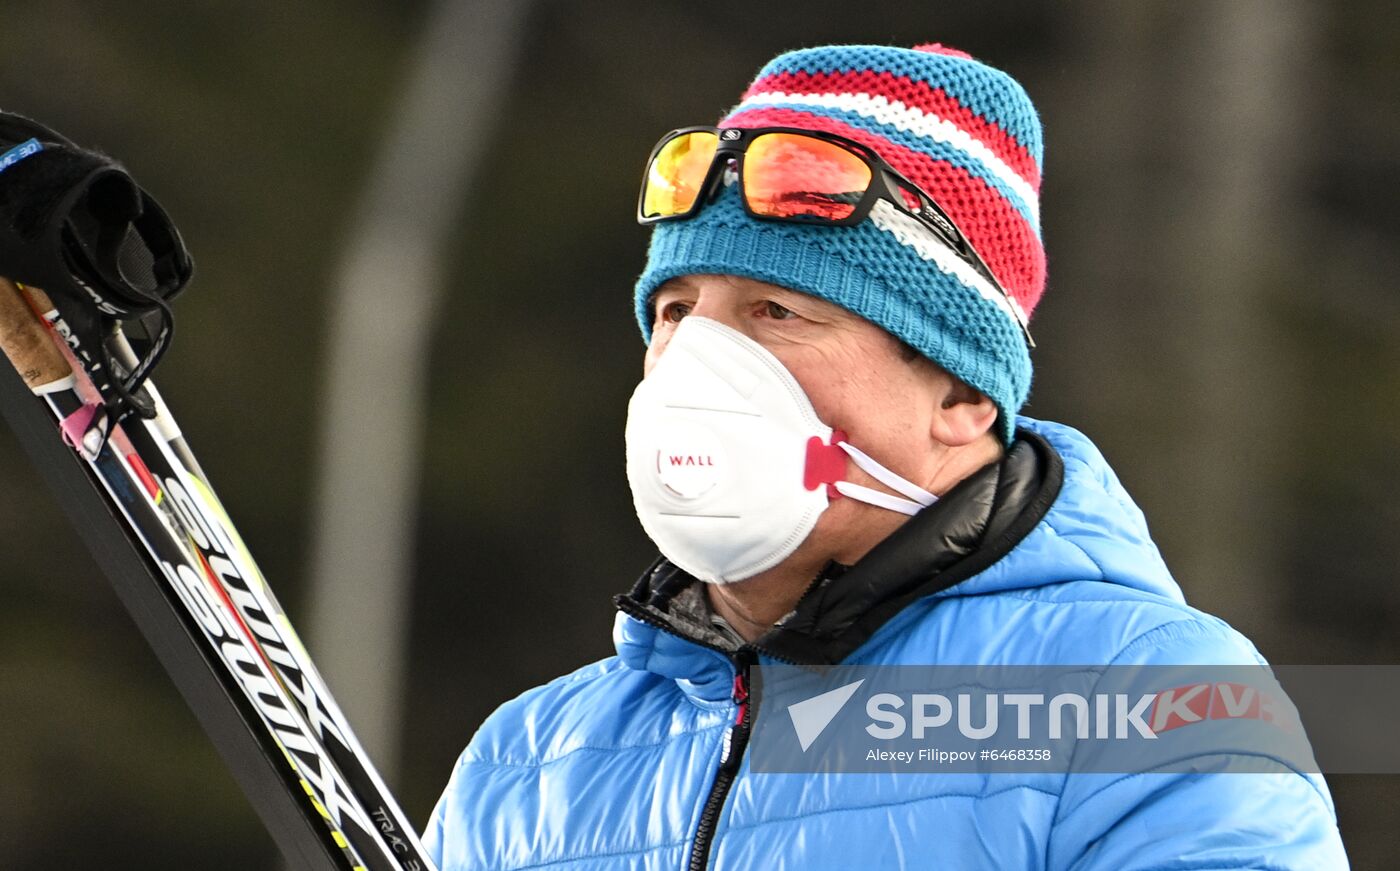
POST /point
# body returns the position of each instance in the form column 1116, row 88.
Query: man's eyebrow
column 672, row 290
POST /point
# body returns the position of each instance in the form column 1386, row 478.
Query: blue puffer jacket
column 612, row 766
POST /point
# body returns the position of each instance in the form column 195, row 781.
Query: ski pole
column 153, row 520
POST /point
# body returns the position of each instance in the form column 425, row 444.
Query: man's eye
column 674, row 311
column 779, row 313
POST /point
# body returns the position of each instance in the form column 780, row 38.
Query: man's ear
column 964, row 414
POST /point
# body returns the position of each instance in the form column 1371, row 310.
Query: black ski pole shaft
column 335, row 765
column 196, row 579
column 30, row 396
column 171, row 461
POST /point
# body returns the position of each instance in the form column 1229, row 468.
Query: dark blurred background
column 1219, row 211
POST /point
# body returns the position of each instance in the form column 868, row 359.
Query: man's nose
column 714, row 308
column 724, row 309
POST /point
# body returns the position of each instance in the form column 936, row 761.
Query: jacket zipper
column 736, row 741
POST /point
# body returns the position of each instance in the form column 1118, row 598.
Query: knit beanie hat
column 968, row 135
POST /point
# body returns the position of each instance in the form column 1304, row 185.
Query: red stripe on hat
column 914, row 94
column 940, row 48
column 998, row 231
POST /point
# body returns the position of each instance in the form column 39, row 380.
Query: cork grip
column 26, row 341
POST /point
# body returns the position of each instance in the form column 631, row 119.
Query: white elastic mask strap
column 877, row 498
column 919, row 498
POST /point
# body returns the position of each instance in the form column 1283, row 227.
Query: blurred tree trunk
column 1207, row 180
column 381, row 318
column 1234, row 104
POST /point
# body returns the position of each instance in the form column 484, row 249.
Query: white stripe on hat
column 910, row 120
column 908, row 231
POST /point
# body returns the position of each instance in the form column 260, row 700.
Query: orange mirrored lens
column 791, row 176
column 676, row 173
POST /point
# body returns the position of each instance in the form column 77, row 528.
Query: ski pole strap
column 74, row 222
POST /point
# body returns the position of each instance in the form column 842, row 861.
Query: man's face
column 859, row 378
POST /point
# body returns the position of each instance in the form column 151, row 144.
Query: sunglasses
column 794, row 175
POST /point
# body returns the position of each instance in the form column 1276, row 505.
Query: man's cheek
column 653, row 354
column 835, row 520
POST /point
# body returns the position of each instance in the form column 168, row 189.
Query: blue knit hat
column 966, row 134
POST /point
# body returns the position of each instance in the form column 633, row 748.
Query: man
column 826, row 450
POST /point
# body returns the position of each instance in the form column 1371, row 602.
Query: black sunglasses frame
column 886, row 183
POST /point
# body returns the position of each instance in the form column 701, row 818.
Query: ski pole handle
column 26, row 341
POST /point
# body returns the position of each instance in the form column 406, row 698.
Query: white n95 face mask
column 729, row 465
